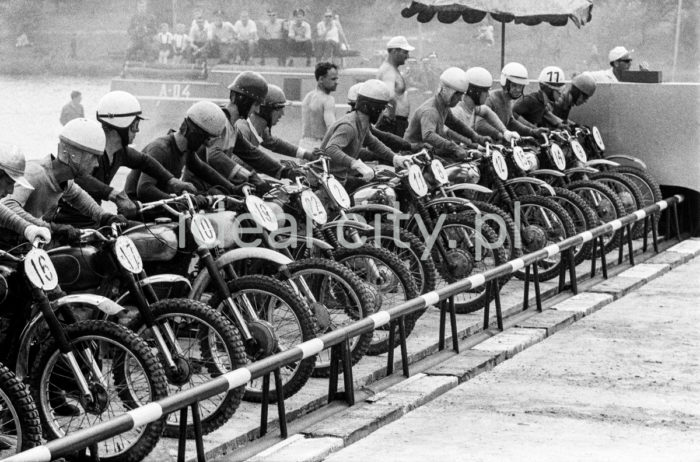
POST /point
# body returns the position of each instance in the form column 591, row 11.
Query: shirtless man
column 395, row 117
column 318, row 107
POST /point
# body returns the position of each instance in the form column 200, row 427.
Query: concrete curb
column 343, row 429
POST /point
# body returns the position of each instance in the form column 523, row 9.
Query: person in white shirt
column 394, row 119
column 300, row 37
column 620, row 60
column 329, row 34
column 272, row 38
column 199, row 37
column 181, row 44
column 222, row 37
column 247, row 37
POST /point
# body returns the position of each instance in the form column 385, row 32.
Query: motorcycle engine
column 375, row 194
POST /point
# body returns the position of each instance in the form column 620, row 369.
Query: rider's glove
column 460, row 154
column 124, row 205
column 415, row 147
column 65, row 234
column 108, row 219
column 178, row 186
column 399, row 161
column 261, row 186
column 482, row 140
column 290, row 171
column 200, row 201
column 33, row 232
column 540, row 131
column 508, row 136
column 366, row 172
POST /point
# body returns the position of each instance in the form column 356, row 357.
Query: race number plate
column 520, row 159
column 339, row 193
column 557, row 156
column 40, row 270
column 416, row 181
column 598, row 138
column 313, row 207
column 499, row 165
column 128, row 255
column 261, row 213
column 439, row 172
column 579, row 151
column 203, row 231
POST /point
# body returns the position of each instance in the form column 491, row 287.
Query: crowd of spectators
column 237, row 42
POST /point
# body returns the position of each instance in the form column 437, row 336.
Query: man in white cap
column 395, row 117
column 620, row 60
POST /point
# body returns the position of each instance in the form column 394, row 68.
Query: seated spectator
column 223, row 39
column 329, row 34
column 199, row 38
column 247, row 38
column 73, row 109
column 300, row 37
column 181, row 44
column 142, row 28
column 272, row 38
column 165, row 43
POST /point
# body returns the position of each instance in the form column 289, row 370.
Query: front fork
column 220, row 285
column 66, row 349
column 356, row 239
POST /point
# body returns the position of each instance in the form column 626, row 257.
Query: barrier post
column 347, row 372
column 492, row 287
column 182, row 441
column 392, row 343
column 264, row 405
column 281, row 413
column 674, row 210
column 655, row 237
column 536, row 280
column 567, row 260
column 445, row 306
column 199, row 443
column 333, row 377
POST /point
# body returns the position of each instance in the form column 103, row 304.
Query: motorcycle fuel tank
column 79, row 268
column 155, row 242
column 375, row 194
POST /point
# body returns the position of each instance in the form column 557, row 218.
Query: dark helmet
column 275, row 98
column 250, row 84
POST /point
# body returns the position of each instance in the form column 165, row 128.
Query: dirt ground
column 619, row 385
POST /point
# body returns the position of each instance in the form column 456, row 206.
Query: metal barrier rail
column 338, row 341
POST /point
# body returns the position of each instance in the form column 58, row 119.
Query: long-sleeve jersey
column 165, row 151
column 430, row 124
column 344, row 141
column 33, row 204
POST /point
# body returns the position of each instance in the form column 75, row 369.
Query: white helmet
column 118, row 109
column 12, row 162
column 515, row 72
column 353, row 91
column 455, row 78
column 86, row 135
column 479, row 77
column 374, row 89
column 207, row 116
column 552, row 75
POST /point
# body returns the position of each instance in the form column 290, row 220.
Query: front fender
column 22, row 364
column 634, row 160
column 233, row 256
column 166, row 279
column 458, row 201
column 469, row 187
column 99, row 302
column 308, row 241
column 380, row 208
column 547, row 172
column 533, row 181
column 584, row 170
column 594, row 162
column 347, row 224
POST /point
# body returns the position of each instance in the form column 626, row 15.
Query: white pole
column 678, row 36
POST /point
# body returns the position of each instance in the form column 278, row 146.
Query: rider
column 582, row 87
column 513, row 80
column 12, row 164
column 81, row 143
column 536, row 108
column 346, row 137
column 232, row 154
column 472, row 105
column 395, row 117
column 257, row 128
column 433, row 122
column 119, row 113
column 203, row 122
column 390, row 140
